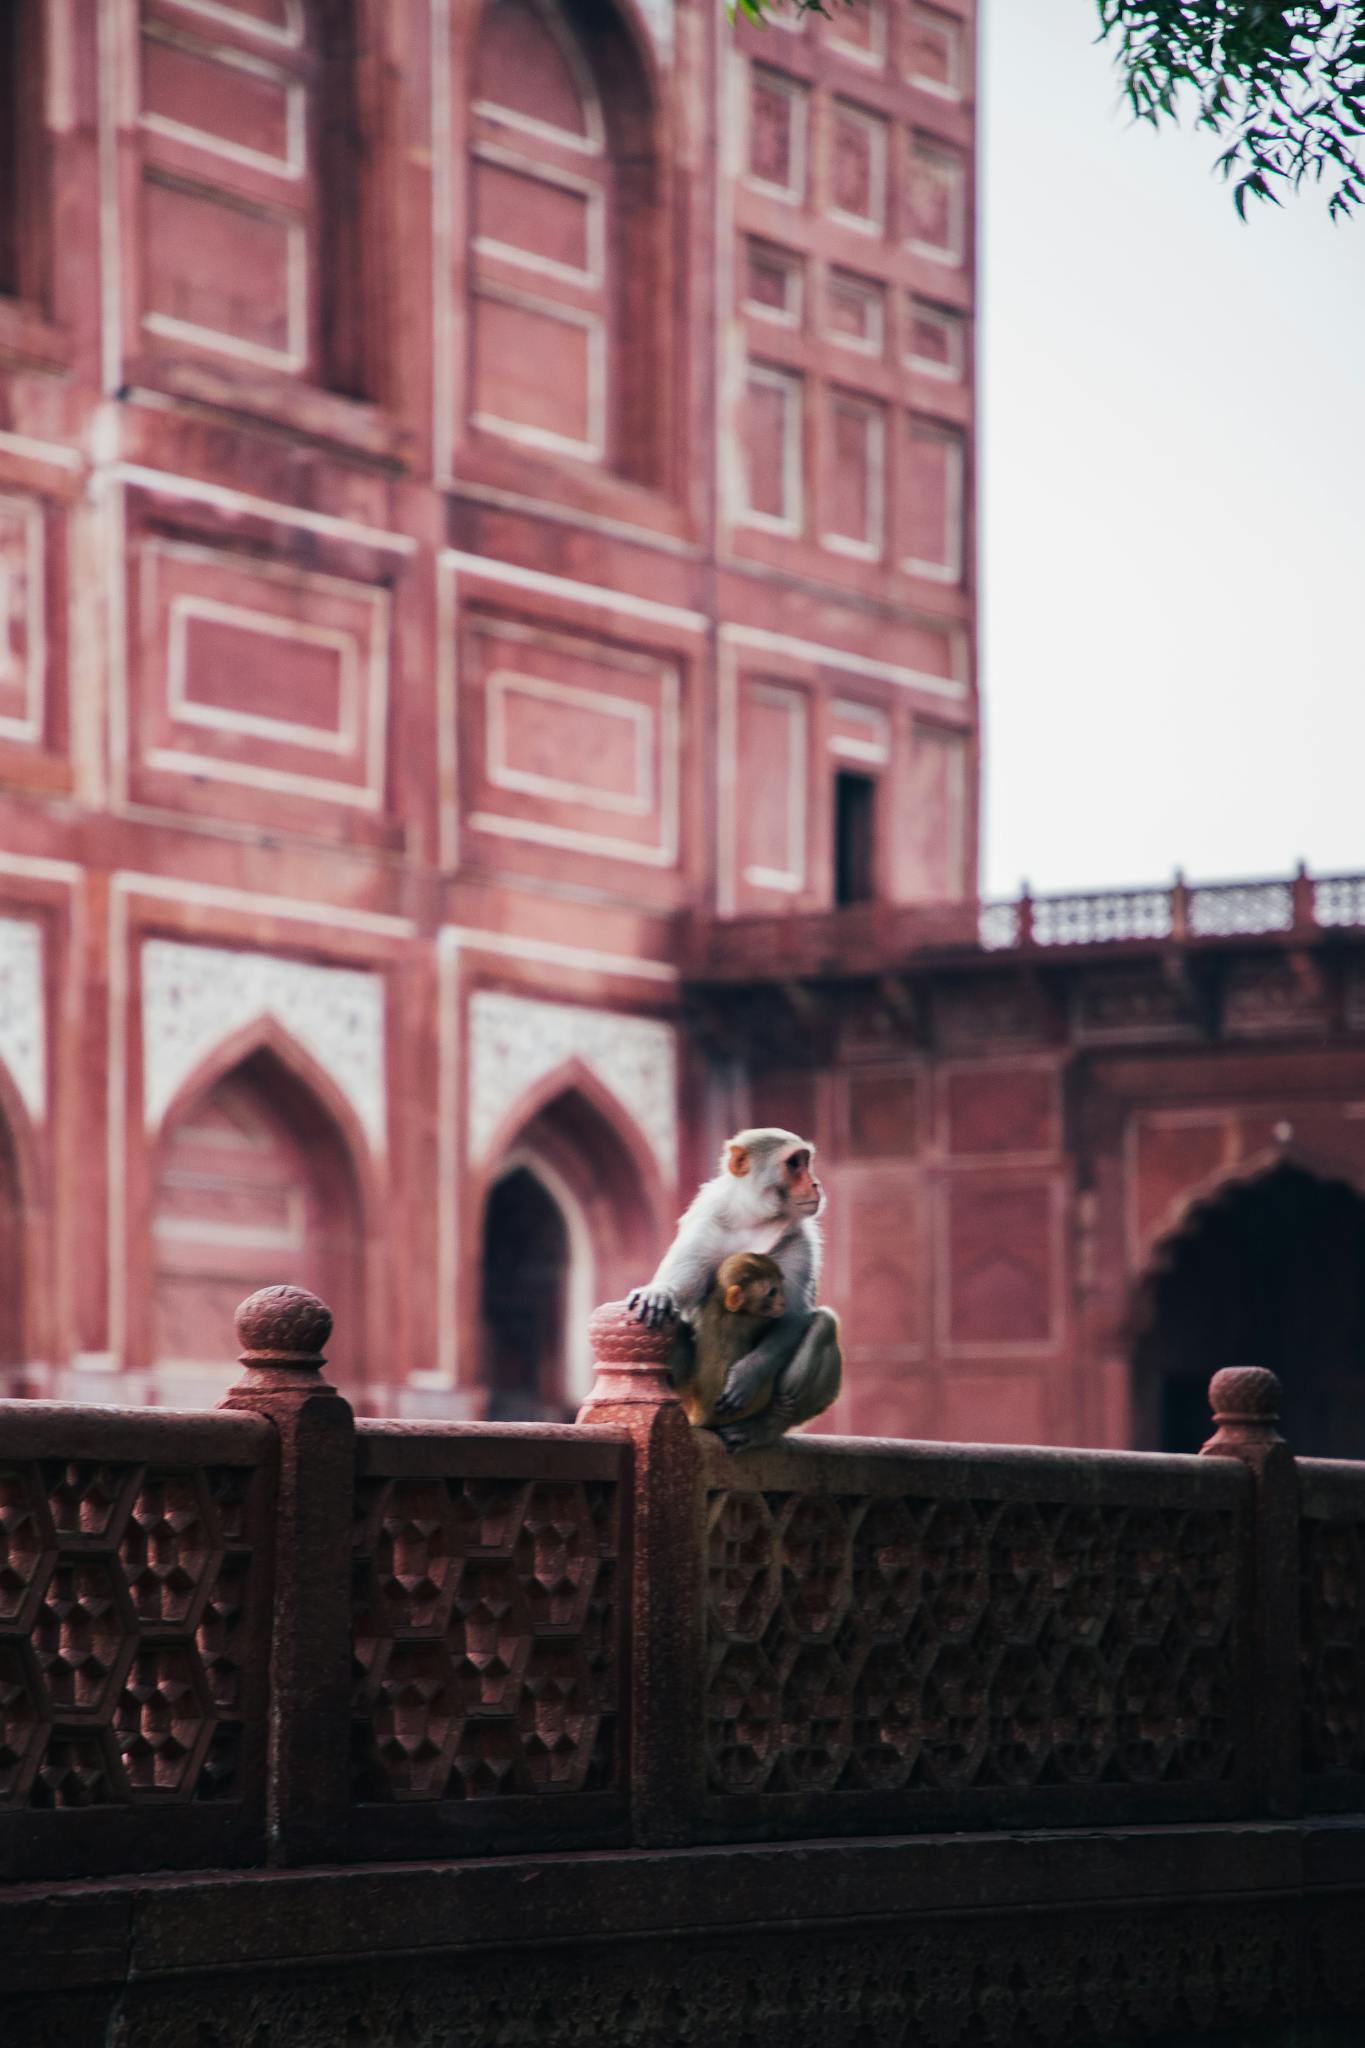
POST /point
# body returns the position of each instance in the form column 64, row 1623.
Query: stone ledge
column 137, row 1929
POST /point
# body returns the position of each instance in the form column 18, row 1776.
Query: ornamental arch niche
column 565, row 236
column 254, row 1181
column 570, row 1217
column 1267, row 1269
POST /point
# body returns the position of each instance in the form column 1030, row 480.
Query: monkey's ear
column 736, row 1158
column 734, row 1295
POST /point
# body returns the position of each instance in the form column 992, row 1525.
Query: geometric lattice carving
column 1332, row 1644
column 894, row 1643
column 485, row 1637
column 122, row 1611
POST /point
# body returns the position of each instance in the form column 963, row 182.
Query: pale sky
column 1171, row 461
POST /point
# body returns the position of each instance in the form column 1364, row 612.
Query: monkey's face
column 767, row 1298
column 803, row 1191
column 776, row 1168
column 764, row 1298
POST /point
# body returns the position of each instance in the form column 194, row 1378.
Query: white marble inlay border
column 515, row 1041
column 193, row 997
column 23, row 1011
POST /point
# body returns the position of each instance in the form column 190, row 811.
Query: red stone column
column 1246, row 1407
column 632, row 1392
column 282, row 1331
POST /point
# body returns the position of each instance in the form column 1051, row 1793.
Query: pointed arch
column 259, row 1172
column 572, row 1137
column 1263, row 1266
column 583, row 1101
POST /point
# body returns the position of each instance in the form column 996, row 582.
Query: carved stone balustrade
column 1104, row 1711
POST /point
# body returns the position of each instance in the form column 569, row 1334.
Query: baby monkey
column 747, row 1293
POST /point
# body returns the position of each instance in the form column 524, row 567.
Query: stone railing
column 273, row 1635
column 875, row 937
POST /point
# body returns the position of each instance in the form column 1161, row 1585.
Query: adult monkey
column 764, row 1199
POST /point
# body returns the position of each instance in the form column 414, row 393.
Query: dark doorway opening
column 1268, row 1271
column 21, row 115
column 855, row 808
column 525, row 1282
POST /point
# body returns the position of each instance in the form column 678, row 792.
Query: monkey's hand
column 653, row 1306
column 745, row 1380
column 748, row 1376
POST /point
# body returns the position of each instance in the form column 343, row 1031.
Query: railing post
column 1246, row 1407
column 1305, row 919
column 282, row 1331
column 1025, row 914
column 1180, row 908
column 632, row 1392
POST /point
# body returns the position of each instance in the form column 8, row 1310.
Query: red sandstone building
column 487, row 703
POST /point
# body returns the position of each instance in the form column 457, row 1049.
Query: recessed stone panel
column 538, row 374
column 853, row 496
column 930, row 826
column 1000, row 1257
column 777, row 132
column 773, row 448
column 534, row 220
column 883, row 1115
column 935, row 57
column 857, row 31
column 271, row 679
column 232, row 107
column 935, row 484
column 773, row 725
column 785, row 1097
column 936, row 342
column 773, row 283
column 1002, row 1109
column 936, row 201
column 569, row 741
column 22, row 619
column 855, row 312
column 857, row 188
column 224, row 275
column 886, row 1291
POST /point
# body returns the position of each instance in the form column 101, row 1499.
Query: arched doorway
column 524, row 1299
column 570, row 1219
column 1268, row 1270
column 254, row 1186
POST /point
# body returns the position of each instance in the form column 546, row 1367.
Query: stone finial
column 1246, row 1407
column 631, row 1360
column 282, row 1330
